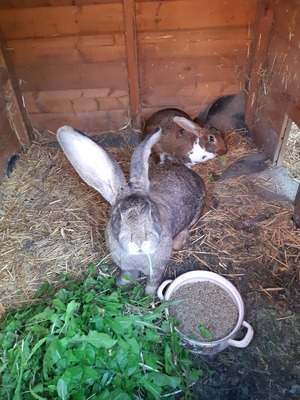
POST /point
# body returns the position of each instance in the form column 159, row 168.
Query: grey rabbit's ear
column 94, row 165
column 139, row 165
column 188, row 125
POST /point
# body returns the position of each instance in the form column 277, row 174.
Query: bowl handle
column 161, row 289
column 247, row 339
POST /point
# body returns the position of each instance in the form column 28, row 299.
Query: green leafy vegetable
column 223, row 159
column 206, row 334
column 90, row 339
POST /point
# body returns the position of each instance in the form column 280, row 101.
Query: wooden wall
column 274, row 87
column 14, row 125
column 100, row 65
column 191, row 52
column 70, row 61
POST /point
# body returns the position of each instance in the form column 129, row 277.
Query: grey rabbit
column 150, row 215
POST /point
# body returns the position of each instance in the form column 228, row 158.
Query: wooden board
column 192, row 14
column 67, row 50
column 91, row 122
column 78, row 76
column 191, row 52
column 40, row 22
column 50, row 3
column 275, row 95
column 75, row 58
column 75, row 100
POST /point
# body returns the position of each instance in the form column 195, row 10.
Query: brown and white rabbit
column 183, row 139
column 150, row 215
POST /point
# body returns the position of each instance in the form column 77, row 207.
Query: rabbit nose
column 140, row 246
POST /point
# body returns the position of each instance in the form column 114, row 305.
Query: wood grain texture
column 75, row 76
column 263, row 29
column 11, row 148
column 132, row 61
column 277, row 87
column 191, row 100
column 192, row 14
column 51, row 3
column 91, row 122
column 14, row 108
column 75, row 100
column 191, row 52
column 39, row 22
column 67, row 50
column 75, row 58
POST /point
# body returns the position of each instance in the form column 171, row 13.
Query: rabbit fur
column 150, row 215
column 183, row 139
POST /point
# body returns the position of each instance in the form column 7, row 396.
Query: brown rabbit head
column 211, row 138
column 183, row 139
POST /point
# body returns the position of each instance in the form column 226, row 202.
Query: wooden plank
column 188, row 98
column 190, row 14
column 179, row 44
column 74, row 94
column 91, row 122
column 283, row 74
column 185, row 37
column 11, row 148
column 9, row 143
column 32, row 3
column 287, row 22
column 263, row 28
column 223, row 48
column 74, row 101
column 282, row 141
column 50, row 3
column 67, row 50
column 16, row 113
column 276, row 85
column 191, row 71
column 3, row 103
column 61, row 21
column 6, row 129
column 132, row 61
column 270, row 121
column 65, row 77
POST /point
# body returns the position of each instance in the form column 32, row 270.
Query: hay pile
column 52, row 223
column 241, row 226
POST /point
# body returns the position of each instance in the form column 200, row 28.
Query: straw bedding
column 52, row 223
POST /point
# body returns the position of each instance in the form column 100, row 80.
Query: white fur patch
column 144, row 248
column 199, row 155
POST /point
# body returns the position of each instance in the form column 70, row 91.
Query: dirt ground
column 269, row 368
column 245, row 234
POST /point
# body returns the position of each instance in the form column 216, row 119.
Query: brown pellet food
column 205, row 312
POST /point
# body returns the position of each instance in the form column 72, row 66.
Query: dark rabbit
column 183, row 139
column 151, row 215
column 227, row 113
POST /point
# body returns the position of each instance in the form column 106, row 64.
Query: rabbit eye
column 211, row 138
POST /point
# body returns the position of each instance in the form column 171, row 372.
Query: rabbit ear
column 139, row 166
column 94, row 165
column 188, row 125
